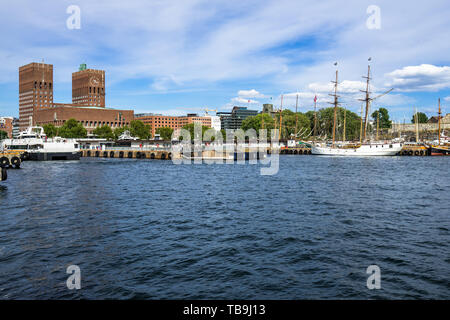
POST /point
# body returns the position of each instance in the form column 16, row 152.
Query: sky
column 178, row 57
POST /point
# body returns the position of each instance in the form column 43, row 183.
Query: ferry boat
column 38, row 147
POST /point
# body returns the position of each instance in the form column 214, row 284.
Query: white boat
column 362, row 149
column 372, row 149
column 38, row 147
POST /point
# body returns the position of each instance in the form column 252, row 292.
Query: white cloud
column 447, row 99
column 346, row 86
column 250, row 94
column 424, row 77
column 174, row 45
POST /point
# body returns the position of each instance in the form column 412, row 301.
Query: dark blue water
column 150, row 229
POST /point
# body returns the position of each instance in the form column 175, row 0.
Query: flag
column 248, row 101
column 315, row 98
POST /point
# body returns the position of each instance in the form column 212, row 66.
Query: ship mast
column 345, row 117
column 361, row 128
column 378, row 122
column 281, row 110
column 367, row 101
column 315, row 118
column 296, row 118
column 336, row 103
column 416, row 118
column 439, row 122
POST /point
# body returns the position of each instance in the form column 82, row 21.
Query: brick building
column 90, row 117
column 35, row 91
column 175, row 122
column 36, row 106
column 88, row 87
column 6, row 124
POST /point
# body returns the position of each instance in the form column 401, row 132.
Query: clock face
column 94, row 81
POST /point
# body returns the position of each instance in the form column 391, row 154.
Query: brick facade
column 88, row 88
column 36, row 105
column 6, row 124
column 90, row 117
column 35, row 91
column 174, row 122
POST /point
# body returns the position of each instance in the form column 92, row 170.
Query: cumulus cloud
column 279, row 45
column 346, row 86
column 447, row 99
column 250, row 94
column 424, row 77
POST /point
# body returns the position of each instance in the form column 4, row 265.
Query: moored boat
column 371, row 149
column 440, row 151
column 38, row 147
column 364, row 148
column 442, row 147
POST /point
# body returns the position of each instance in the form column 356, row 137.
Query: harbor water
column 150, row 229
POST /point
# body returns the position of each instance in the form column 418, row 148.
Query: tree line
column 74, row 129
column 320, row 122
column 306, row 124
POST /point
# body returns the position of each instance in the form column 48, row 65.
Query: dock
column 166, row 154
column 128, row 154
column 407, row 150
column 9, row 159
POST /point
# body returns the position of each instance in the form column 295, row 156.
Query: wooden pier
column 407, row 150
column 128, row 154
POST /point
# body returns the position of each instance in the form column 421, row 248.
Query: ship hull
column 362, row 151
column 53, row 156
column 437, row 151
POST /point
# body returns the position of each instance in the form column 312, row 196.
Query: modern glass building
column 233, row 120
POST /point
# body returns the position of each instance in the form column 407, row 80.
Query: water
column 149, row 229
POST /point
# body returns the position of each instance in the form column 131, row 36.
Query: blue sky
column 174, row 57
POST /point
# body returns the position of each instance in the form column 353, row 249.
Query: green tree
column 289, row 119
column 255, row 122
column 3, row 135
column 72, row 129
column 50, row 130
column 165, row 133
column 119, row 131
column 140, row 130
column 384, row 118
column 104, row 132
column 325, row 118
column 421, row 118
column 190, row 127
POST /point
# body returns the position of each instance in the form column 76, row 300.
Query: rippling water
column 150, row 229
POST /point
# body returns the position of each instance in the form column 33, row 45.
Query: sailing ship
column 442, row 147
column 364, row 148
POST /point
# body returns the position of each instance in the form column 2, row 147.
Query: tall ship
column 364, row 147
column 440, row 147
column 36, row 146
